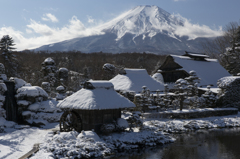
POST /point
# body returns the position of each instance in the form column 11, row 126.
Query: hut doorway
column 69, row 121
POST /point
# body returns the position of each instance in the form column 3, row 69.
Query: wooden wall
column 93, row 119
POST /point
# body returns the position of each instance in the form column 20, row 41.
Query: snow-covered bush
column 107, row 128
column 134, row 120
column 49, row 70
column 193, row 80
column 208, row 99
column 166, row 99
column 88, row 144
column 35, row 105
column 109, row 71
column 187, row 91
column 158, row 77
column 229, row 92
column 61, row 93
column 143, row 100
column 31, row 93
column 19, row 82
column 109, row 67
column 121, row 124
column 146, row 101
column 41, row 113
column 3, row 89
column 182, row 126
column 63, row 74
column 46, row 86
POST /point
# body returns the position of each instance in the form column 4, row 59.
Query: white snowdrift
column 19, row 142
column 158, row 77
column 134, row 79
column 15, row 144
column 181, row 125
column 88, row 144
column 31, row 91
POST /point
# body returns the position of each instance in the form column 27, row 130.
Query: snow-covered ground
column 184, row 125
column 88, row 144
column 16, row 142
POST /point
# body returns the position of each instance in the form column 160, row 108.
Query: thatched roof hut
column 95, row 104
column 208, row 70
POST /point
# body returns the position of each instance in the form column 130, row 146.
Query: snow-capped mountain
column 141, row 29
column 143, row 20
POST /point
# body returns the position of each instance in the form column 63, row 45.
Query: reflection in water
column 202, row 144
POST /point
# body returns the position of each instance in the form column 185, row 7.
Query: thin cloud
column 90, row 19
column 194, row 31
column 49, row 17
column 42, row 29
column 46, row 34
column 43, row 34
column 25, row 10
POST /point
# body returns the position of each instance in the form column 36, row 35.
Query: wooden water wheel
column 69, row 121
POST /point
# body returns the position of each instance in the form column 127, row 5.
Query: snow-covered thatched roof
column 96, row 95
column 210, row 71
column 134, row 80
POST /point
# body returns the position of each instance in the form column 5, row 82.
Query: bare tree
column 216, row 47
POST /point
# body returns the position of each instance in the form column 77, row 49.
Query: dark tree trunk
column 10, row 104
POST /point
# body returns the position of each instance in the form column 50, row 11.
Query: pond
column 202, row 144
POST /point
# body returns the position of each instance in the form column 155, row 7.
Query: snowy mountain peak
column 143, row 20
column 141, row 29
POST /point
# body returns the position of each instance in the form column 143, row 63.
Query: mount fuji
column 147, row 29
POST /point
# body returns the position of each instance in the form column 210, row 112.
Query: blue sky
column 32, row 22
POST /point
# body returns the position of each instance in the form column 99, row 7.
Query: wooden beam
column 31, row 152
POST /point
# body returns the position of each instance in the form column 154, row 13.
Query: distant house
column 134, row 79
column 95, row 104
column 175, row 67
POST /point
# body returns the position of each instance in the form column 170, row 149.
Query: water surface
column 201, row 144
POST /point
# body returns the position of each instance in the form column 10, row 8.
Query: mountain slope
column 142, row 29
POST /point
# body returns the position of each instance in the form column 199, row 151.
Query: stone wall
column 193, row 113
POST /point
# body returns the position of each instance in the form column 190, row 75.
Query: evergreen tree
column 6, row 44
column 187, row 90
column 10, row 61
column 109, row 70
column 232, row 54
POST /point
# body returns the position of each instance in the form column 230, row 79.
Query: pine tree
column 208, row 98
column 10, row 61
column 187, row 89
column 6, row 44
column 109, row 70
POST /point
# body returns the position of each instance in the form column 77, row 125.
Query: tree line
column 90, row 65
